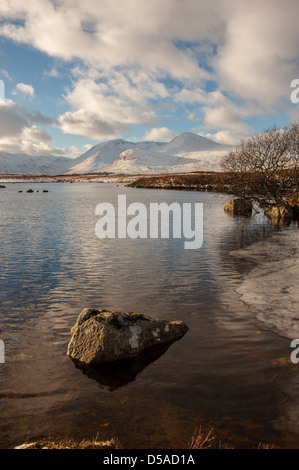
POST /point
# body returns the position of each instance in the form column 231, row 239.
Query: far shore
column 195, row 181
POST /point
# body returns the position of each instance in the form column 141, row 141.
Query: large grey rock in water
column 238, row 206
column 100, row 336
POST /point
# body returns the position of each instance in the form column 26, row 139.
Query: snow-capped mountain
column 99, row 156
column 188, row 143
column 186, row 152
column 139, row 161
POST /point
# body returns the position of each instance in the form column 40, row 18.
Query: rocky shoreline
column 197, row 181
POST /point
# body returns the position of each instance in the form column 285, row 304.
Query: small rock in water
column 30, row 191
column 101, row 336
column 45, row 191
column 1, row 186
column 280, row 212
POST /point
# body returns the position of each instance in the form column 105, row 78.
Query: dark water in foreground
column 221, row 374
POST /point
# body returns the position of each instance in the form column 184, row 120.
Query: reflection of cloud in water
column 140, row 274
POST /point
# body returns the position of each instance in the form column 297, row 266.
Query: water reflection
column 52, row 266
column 117, row 374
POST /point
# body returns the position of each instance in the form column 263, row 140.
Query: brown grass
column 201, row 439
column 201, row 181
column 72, row 444
column 207, row 439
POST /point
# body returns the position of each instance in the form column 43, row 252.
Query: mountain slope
column 138, row 161
column 188, row 142
column 99, row 156
column 23, row 164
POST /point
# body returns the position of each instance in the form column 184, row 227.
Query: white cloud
column 197, row 95
column 24, row 89
column 142, row 60
column 223, row 117
column 11, row 121
column 161, row 133
column 226, row 137
column 36, row 134
column 87, row 124
column 32, row 148
column 5, row 74
column 53, row 73
column 87, row 147
column 20, row 134
column 103, row 110
column 259, row 55
column 112, row 34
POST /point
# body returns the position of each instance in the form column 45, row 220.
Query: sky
column 77, row 72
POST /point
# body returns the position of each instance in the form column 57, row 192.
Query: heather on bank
column 202, row 181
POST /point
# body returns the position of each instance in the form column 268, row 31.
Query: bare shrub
column 265, row 167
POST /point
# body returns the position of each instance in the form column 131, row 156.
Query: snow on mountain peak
column 188, row 142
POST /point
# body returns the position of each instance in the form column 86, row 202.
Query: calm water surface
column 221, row 374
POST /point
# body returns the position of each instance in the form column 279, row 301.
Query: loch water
column 224, row 373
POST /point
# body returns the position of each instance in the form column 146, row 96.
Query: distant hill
column 22, row 164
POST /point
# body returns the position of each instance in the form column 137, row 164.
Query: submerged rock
column 117, row 374
column 238, row 206
column 100, row 336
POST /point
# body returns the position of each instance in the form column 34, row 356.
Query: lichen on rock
column 100, row 336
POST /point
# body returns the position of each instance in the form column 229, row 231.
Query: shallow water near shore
column 231, row 371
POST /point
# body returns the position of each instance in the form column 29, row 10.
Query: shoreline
column 66, row 179
column 195, row 181
column 270, row 288
column 270, row 291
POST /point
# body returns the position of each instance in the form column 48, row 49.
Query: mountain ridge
column 185, row 152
